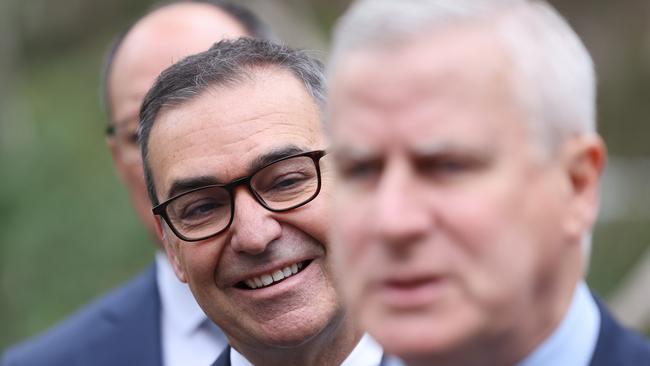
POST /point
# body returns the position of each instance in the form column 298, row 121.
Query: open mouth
column 273, row 278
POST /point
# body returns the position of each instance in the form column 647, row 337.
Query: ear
column 584, row 158
column 171, row 251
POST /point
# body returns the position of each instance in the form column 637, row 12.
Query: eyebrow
column 273, row 155
column 183, row 185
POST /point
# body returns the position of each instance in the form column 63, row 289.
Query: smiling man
column 236, row 170
column 465, row 140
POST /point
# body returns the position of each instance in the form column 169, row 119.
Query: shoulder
column 617, row 345
column 68, row 342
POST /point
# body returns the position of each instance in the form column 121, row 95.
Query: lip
column 411, row 293
column 308, row 273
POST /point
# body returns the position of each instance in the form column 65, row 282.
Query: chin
column 291, row 337
column 416, row 336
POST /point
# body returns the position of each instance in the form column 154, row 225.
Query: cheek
column 493, row 251
column 314, row 219
column 350, row 228
column 199, row 261
column 352, row 249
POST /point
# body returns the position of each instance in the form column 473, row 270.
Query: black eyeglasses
column 282, row 185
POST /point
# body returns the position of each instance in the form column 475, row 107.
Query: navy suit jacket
column 618, row 346
column 121, row 328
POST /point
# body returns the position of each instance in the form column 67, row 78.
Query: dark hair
column 253, row 25
column 226, row 63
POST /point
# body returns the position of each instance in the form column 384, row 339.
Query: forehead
column 226, row 128
column 452, row 81
column 158, row 41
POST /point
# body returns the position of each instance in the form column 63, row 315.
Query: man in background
column 469, row 168
column 153, row 319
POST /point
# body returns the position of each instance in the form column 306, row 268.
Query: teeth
column 278, row 275
column 269, row 278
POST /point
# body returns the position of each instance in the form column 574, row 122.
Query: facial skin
column 218, row 136
column 451, row 227
column 165, row 36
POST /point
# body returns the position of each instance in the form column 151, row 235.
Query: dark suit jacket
column 618, row 346
column 224, row 358
column 121, row 328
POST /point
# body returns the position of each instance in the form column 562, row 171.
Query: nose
column 253, row 226
column 401, row 214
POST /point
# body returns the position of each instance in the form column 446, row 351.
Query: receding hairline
column 157, row 17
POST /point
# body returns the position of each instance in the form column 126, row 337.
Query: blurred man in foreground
column 153, row 319
column 469, row 165
column 235, row 163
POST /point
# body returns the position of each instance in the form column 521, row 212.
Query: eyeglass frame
column 161, row 208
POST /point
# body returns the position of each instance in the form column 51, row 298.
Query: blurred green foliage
column 67, row 231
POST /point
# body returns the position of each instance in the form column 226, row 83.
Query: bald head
column 158, row 40
column 155, row 42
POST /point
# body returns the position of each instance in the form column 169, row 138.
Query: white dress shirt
column 366, row 353
column 188, row 337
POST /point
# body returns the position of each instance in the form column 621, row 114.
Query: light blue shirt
column 187, row 336
column 574, row 341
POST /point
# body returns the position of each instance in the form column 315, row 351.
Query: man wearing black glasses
column 236, row 170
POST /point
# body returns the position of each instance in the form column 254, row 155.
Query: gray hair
column 555, row 73
column 555, row 76
column 226, row 63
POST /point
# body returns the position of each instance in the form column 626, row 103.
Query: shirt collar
column 366, row 353
column 574, row 341
column 178, row 305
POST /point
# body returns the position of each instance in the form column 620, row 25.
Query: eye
column 288, row 181
column 446, row 166
column 200, row 210
column 360, row 173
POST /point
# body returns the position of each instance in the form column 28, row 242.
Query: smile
column 272, row 278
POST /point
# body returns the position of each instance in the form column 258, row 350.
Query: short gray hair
column 226, row 63
column 554, row 70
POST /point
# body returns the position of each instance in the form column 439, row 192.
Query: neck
column 330, row 347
